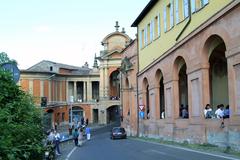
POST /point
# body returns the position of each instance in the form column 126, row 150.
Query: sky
column 63, row 31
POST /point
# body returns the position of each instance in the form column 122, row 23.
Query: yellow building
column 189, row 57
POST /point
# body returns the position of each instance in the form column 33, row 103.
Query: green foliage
column 20, row 122
column 4, row 58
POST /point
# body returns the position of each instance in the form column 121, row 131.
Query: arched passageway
column 146, row 97
column 161, row 95
column 181, row 71
column 218, row 72
column 113, row 114
column 77, row 115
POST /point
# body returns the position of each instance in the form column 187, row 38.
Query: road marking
column 69, row 154
column 155, row 151
column 190, row 150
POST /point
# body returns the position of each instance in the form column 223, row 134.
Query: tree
column 20, row 122
column 4, row 58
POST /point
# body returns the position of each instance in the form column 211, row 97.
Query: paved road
column 101, row 147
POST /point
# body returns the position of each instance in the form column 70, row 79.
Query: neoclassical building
column 92, row 93
column 189, row 56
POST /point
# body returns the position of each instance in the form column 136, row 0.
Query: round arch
column 180, row 74
column 114, row 80
column 160, row 99
column 113, row 114
column 214, row 55
column 146, row 97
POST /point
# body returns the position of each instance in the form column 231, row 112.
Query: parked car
column 118, row 133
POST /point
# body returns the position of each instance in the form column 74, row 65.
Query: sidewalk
column 64, row 132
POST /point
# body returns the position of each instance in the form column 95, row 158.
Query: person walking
column 57, row 142
column 80, row 137
column 75, row 137
column 88, row 133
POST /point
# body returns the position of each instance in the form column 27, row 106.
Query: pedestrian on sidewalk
column 57, row 142
column 80, row 137
column 88, row 133
column 75, row 137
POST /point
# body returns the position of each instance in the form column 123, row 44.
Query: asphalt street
column 101, row 147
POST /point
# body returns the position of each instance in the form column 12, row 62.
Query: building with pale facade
column 189, row 56
column 91, row 93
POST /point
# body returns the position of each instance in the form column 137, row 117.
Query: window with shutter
column 171, row 14
column 185, row 4
column 177, row 11
column 165, row 19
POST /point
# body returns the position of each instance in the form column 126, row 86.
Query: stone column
column 233, row 60
column 85, row 91
column 42, row 88
column 60, row 91
column 50, row 91
column 75, row 90
column 89, row 90
column 106, row 93
column 157, row 102
column 152, row 103
column 101, row 84
column 67, row 92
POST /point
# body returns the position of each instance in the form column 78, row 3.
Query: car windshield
column 118, row 130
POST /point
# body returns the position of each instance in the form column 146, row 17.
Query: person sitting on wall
column 163, row 114
column 208, row 111
column 180, row 110
column 219, row 112
column 184, row 113
column 226, row 112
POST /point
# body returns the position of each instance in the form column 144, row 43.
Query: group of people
column 78, row 135
column 220, row 113
column 54, row 138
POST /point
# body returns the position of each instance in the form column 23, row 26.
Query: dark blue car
column 118, row 133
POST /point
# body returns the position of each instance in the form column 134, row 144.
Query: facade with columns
column 110, row 81
column 95, row 91
column 189, row 57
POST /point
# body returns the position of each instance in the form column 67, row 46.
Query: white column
column 50, row 90
column 75, row 90
column 67, row 92
column 60, row 90
column 42, row 88
column 89, row 90
column 84, row 91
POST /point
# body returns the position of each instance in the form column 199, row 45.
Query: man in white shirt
column 220, row 112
